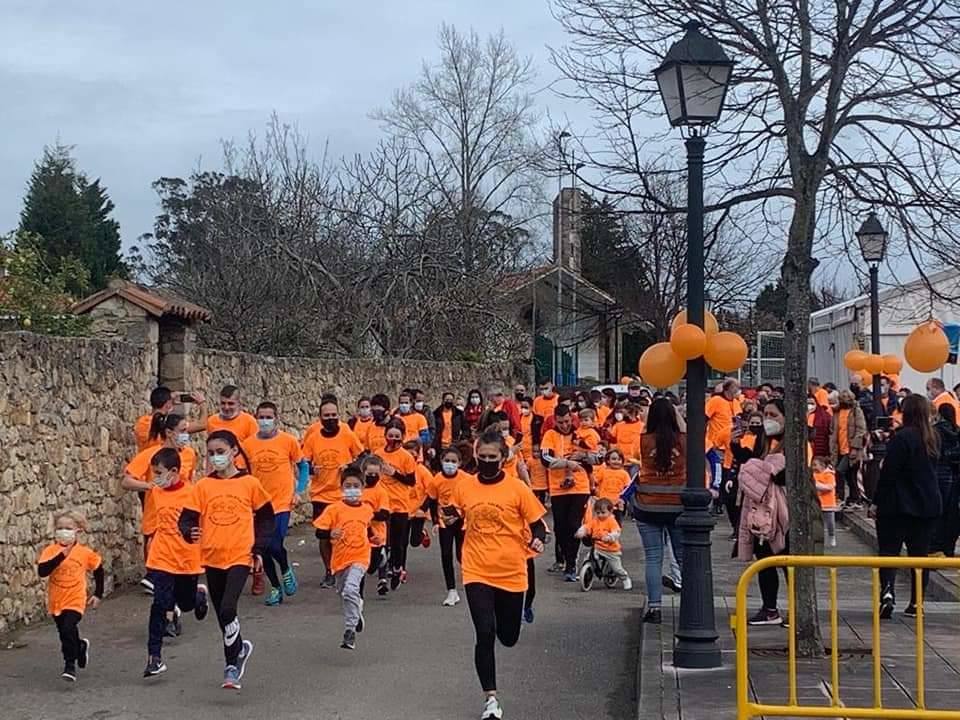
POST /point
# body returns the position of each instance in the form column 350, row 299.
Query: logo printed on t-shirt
column 354, row 534
column 168, row 519
column 225, row 510
column 328, row 459
column 268, row 460
column 485, row 518
column 70, row 574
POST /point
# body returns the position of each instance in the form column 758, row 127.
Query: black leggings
column 768, row 579
column 496, row 615
column 378, row 563
column 399, row 530
column 68, row 623
column 416, row 531
column 531, row 585
column 895, row 531
column 225, row 587
column 567, row 516
column 450, row 537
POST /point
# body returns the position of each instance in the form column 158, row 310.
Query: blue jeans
column 651, row 535
column 276, row 550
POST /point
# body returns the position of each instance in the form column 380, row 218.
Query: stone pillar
column 177, row 342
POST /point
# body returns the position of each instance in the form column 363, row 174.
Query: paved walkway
column 415, row 660
column 666, row 692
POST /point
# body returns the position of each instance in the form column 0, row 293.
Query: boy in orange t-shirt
column 604, row 531
column 826, row 481
column 66, row 562
column 376, row 497
column 348, row 525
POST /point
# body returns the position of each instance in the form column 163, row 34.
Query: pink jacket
column 755, row 477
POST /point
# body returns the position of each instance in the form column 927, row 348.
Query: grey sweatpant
column 348, row 587
column 614, row 562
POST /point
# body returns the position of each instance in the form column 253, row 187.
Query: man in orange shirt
column 231, row 416
column 415, row 423
column 720, row 410
column 543, row 406
column 939, row 395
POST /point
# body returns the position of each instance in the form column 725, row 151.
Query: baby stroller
column 596, row 568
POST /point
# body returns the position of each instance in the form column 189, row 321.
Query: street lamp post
column 693, row 81
column 873, row 246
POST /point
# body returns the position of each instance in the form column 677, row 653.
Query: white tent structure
column 845, row 326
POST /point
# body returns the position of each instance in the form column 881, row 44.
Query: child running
column 604, row 531
column 500, row 515
column 274, row 455
column 348, row 525
column 66, row 562
column 440, row 494
column 376, row 497
column 174, row 563
column 418, row 496
column 230, row 515
column 398, row 476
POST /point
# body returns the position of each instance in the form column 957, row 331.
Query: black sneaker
column 653, row 616
column 910, row 611
column 202, row 602
column 155, row 666
column 669, row 583
column 886, row 606
column 766, row 617
column 84, row 656
column 69, row 672
column 349, row 640
column 382, row 587
column 395, row 579
column 170, row 630
column 329, row 581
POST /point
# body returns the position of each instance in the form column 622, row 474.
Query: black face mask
column 448, row 404
column 518, row 395
column 379, row 414
column 371, row 480
column 755, row 429
column 488, row 469
column 855, row 389
column 330, row 424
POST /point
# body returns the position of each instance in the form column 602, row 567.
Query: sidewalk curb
column 941, row 587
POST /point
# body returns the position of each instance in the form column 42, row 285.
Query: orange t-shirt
column 625, row 436
column 141, row 469
column 544, row 407
column 418, row 493
column 538, row 473
column 376, row 439
column 446, row 435
column 413, row 424
column 353, row 545
column 561, row 446
column 587, row 438
column 378, row 500
column 597, row 528
column 603, row 412
column 243, row 425
column 397, row 492
column 514, row 455
column 141, row 432
column 827, row 498
column 610, row 482
column 226, row 507
column 720, row 413
column 361, row 428
column 327, row 455
column 946, row 398
column 273, row 459
column 496, row 524
column 843, row 439
column 441, row 488
column 169, row 552
column 67, row 584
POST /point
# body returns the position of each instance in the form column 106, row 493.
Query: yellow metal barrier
column 746, row 710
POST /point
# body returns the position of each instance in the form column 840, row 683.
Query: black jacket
column 908, row 478
column 459, row 428
column 948, row 462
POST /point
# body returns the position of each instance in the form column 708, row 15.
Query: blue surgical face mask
column 220, row 462
column 449, row 468
column 404, row 407
column 352, row 494
column 266, row 425
column 182, row 439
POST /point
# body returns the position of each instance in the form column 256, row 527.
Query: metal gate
column 769, row 360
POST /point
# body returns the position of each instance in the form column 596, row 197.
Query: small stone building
column 148, row 318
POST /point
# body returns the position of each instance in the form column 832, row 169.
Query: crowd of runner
column 478, row 475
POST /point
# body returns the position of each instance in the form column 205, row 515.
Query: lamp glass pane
column 704, row 87
column 873, row 247
column 670, row 92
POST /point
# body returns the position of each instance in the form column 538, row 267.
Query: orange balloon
column 710, row 324
column 726, row 351
column 873, row 364
column 688, row 341
column 892, row 365
column 927, row 347
column 626, row 380
column 866, row 379
column 855, row 360
column 660, row 366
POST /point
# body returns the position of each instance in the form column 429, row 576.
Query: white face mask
column 352, row 494
column 618, row 417
column 364, row 412
column 404, row 408
column 524, row 411
column 449, row 468
column 474, row 400
column 547, row 393
column 418, row 406
column 505, row 433
column 772, row 427
column 266, row 425
column 182, row 439
column 220, row 462
column 65, row 536
column 164, row 480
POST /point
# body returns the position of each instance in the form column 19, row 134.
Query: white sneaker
column 491, row 709
column 833, row 541
column 627, row 584
column 453, row 597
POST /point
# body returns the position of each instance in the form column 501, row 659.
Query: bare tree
column 836, row 106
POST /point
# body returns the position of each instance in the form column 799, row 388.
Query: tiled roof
column 155, row 302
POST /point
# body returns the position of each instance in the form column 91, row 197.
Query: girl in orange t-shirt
column 231, row 516
column 826, row 481
column 501, row 519
column 66, row 562
column 398, row 477
column 440, row 493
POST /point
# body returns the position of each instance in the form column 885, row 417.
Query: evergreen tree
column 71, row 215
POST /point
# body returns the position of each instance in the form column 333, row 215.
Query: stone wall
column 66, row 411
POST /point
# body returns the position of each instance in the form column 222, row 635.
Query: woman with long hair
column 656, row 503
column 907, row 500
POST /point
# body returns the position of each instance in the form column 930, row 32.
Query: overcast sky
column 144, row 90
